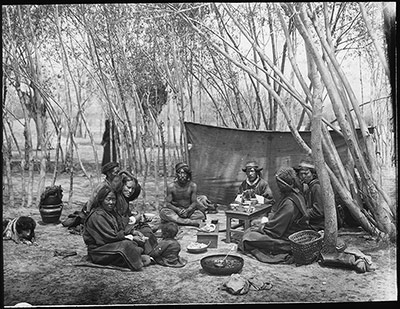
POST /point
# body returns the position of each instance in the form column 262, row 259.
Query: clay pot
column 51, row 213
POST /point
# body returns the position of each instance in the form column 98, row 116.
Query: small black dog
column 21, row 230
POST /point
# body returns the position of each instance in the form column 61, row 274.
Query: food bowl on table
column 197, row 247
column 208, row 228
column 216, row 265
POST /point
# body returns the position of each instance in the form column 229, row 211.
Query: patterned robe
column 260, row 187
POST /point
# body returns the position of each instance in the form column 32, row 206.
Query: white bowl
column 149, row 216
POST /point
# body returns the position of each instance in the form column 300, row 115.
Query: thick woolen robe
column 315, row 207
column 260, row 187
column 287, row 217
column 167, row 253
column 106, row 242
column 123, row 213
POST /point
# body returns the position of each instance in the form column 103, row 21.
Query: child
column 166, row 253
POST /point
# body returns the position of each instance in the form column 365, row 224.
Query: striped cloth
column 10, row 231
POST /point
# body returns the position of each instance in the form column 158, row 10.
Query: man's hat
column 252, row 164
column 305, row 165
column 181, row 165
column 108, row 167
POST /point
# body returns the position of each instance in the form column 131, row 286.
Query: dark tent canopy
column 217, row 156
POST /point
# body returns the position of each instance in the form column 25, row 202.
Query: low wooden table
column 245, row 216
column 209, row 237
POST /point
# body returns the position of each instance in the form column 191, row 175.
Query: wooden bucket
column 51, row 213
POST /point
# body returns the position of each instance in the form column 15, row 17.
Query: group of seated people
column 116, row 235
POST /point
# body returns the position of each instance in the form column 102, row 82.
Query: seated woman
column 128, row 189
column 106, row 242
column 181, row 205
column 287, row 216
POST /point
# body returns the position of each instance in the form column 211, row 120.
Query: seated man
column 254, row 186
column 312, row 194
column 181, row 205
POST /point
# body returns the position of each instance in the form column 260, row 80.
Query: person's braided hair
column 101, row 195
column 288, row 175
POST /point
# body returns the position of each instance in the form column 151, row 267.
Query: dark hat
column 181, row 165
column 108, row 167
column 252, row 164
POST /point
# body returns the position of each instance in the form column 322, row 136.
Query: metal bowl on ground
column 216, row 265
column 197, row 247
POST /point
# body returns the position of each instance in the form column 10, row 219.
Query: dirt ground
column 34, row 275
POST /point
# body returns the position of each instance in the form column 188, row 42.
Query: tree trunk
column 381, row 54
column 7, row 152
column 371, row 177
column 349, row 135
column 232, row 75
column 331, row 228
column 58, row 130
column 216, row 105
column 121, row 93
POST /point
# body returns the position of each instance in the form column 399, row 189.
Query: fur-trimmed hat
column 108, row 167
column 252, row 164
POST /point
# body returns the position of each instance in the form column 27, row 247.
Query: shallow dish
column 197, row 247
column 232, row 264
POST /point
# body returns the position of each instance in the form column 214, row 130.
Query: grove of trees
column 150, row 67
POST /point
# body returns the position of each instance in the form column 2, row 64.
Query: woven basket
column 306, row 246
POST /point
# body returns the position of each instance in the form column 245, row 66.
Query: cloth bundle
column 350, row 258
column 74, row 222
column 238, row 285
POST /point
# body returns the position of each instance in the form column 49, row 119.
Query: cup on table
column 234, row 206
column 246, row 205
